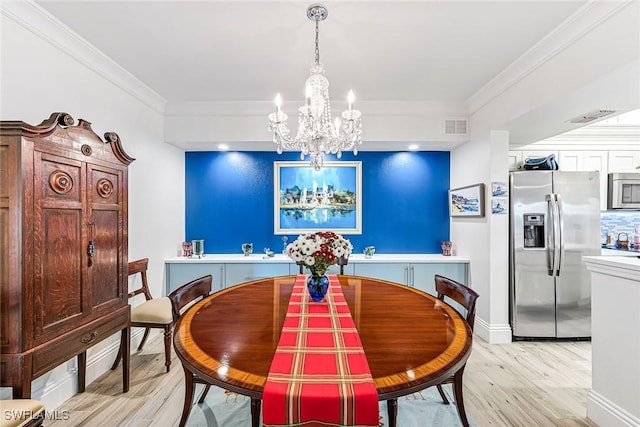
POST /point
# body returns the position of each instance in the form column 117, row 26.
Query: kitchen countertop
column 618, row 266
column 611, row 251
column 353, row 258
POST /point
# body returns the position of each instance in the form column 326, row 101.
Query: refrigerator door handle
column 560, row 222
column 556, row 235
column 550, row 235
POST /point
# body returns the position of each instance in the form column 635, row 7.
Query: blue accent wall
column 229, row 200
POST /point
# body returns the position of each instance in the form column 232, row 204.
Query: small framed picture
column 499, row 189
column 499, row 205
column 467, row 201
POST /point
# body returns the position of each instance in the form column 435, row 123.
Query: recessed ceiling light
column 413, row 147
column 223, row 147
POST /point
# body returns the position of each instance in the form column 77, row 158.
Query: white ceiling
column 248, row 51
column 430, row 51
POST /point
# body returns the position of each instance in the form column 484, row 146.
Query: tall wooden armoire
column 63, row 226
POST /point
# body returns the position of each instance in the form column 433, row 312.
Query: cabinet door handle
column 89, row 339
column 91, row 249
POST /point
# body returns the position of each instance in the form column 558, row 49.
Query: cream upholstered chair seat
column 157, row 310
column 21, row 413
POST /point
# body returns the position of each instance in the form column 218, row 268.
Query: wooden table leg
column 255, row 412
column 188, row 396
column 125, row 343
column 392, row 411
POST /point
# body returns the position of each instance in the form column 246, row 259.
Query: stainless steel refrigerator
column 554, row 222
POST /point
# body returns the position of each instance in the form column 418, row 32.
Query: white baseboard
column 60, row 384
column 492, row 333
column 604, row 412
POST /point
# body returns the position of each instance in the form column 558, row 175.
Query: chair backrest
column 140, row 266
column 188, row 294
column 342, row 261
column 460, row 293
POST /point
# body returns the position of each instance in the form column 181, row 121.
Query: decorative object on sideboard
column 467, row 201
column 187, row 249
column 247, row 249
column 285, row 241
column 317, row 135
column 446, row 247
column 369, row 251
column 198, row 248
column 268, row 253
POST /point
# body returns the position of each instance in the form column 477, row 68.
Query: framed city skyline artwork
column 306, row 200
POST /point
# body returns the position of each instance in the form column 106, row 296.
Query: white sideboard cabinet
column 415, row 274
column 416, row 270
column 179, row 273
column 237, row 273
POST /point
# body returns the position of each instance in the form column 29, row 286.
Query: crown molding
column 456, row 110
column 38, row 21
column 584, row 20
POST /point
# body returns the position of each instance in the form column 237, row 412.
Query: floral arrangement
column 317, row 251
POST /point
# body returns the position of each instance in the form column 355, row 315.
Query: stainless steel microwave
column 624, row 191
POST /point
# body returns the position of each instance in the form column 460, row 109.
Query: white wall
column 568, row 82
column 42, row 70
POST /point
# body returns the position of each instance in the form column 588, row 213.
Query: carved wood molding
column 60, row 120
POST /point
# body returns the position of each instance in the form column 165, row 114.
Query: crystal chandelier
column 317, row 134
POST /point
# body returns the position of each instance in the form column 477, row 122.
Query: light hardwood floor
column 517, row 384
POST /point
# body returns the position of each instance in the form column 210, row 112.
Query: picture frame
column 306, row 200
column 499, row 198
column 499, row 189
column 467, row 201
column 499, row 205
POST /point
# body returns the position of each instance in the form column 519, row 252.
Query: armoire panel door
column 105, row 195
column 58, row 287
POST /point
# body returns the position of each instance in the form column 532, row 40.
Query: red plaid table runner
column 319, row 375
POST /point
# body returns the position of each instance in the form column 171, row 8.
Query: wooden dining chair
column 152, row 313
column 466, row 297
column 342, row 261
column 181, row 300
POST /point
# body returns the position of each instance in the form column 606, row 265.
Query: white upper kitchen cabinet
column 515, row 160
column 587, row 161
column 624, row 161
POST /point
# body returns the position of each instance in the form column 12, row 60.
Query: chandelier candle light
column 317, row 135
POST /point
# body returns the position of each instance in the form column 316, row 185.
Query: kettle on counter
column 622, row 244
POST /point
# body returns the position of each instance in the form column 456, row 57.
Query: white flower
column 319, row 250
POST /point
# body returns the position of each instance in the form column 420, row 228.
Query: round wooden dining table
column 411, row 339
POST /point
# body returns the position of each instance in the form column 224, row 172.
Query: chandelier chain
column 317, row 39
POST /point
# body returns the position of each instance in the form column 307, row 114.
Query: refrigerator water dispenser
column 533, row 230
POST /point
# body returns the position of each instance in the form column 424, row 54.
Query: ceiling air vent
column 591, row 116
column 455, row 127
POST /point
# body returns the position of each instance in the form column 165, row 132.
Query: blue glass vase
column 317, row 286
